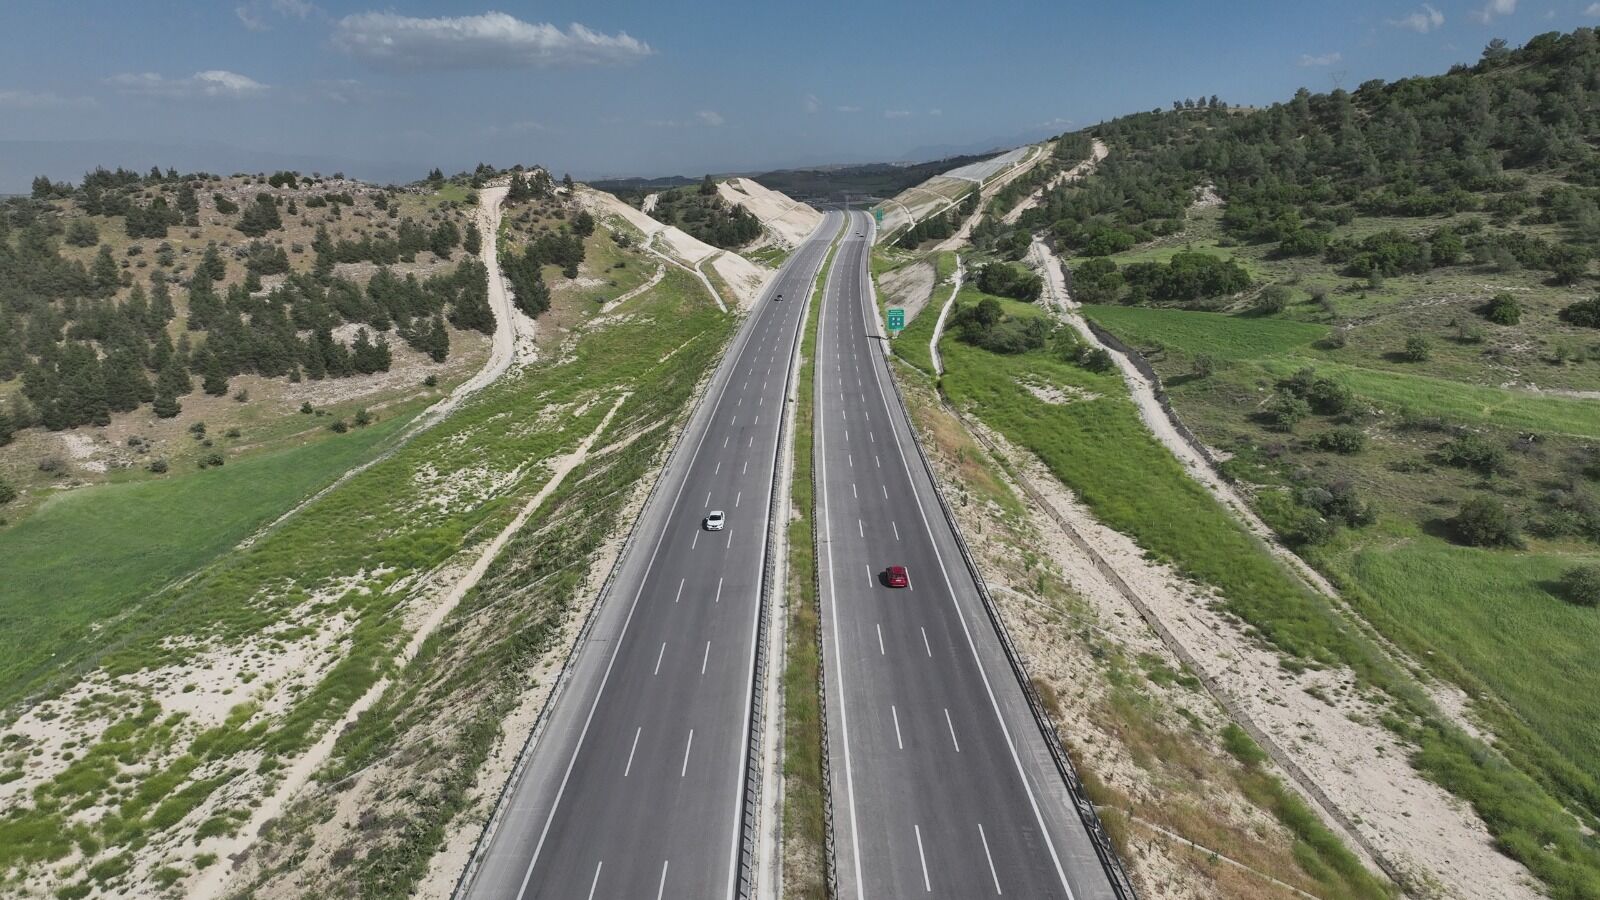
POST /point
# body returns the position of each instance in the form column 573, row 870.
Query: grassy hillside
column 1379, row 307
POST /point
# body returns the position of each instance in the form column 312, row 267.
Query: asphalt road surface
column 635, row 788
column 942, row 782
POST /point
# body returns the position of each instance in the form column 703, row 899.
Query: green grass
column 1222, row 336
column 1100, row 450
column 1481, row 606
column 93, row 553
column 1455, row 400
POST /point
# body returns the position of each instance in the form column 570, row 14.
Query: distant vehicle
column 779, row 296
column 858, row 234
column 715, row 520
column 896, row 577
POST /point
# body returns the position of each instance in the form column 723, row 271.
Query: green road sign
column 897, row 318
column 878, row 214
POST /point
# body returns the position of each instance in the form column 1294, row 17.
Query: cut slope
column 785, row 219
column 744, row 278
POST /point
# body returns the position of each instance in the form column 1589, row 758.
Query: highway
column 635, row 786
column 942, row 783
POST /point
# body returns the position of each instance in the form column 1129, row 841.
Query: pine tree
column 438, row 340
column 566, row 182
column 166, row 406
column 173, row 379
column 104, row 273
column 473, row 242
column 212, row 265
column 326, row 255
column 215, row 381
column 126, row 384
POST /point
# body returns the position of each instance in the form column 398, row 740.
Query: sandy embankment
column 744, row 278
column 786, row 220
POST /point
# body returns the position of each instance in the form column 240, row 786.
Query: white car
column 715, row 520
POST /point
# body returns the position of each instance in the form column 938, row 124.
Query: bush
column 1503, row 310
column 1006, row 280
column 1286, row 411
column 1342, row 440
column 1416, row 349
column 158, row 466
column 1585, row 313
column 7, row 492
column 1485, row 522
column 1581, row 586
column 1470, row 451
column 1274, row 299
column 211, row 460
column 1096, row 359
column 338, row 426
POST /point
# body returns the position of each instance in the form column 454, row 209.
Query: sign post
column 897, row 319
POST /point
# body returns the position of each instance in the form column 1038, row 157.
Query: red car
column 896, row 577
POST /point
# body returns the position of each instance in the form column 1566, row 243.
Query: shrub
column 1096, row 359
column 211, row 460
column 338, row 426
column 1416, row 349
column 1470, row 451
column 1344, row 439
column 1581, row 586
column 431, row 381
column 1585, row 313
column 7, row 492
column 1204, row 366
column 1485, row 522
column 158, row 466
column 1274, row 299
column 1503, row 310
column 1286, row 411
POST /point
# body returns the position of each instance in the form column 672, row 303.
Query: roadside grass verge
column 91, row 554
column 804, row 791
column 1099, row 449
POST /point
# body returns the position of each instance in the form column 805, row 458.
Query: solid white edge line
column 895, row 424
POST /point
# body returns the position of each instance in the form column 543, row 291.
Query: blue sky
column 712, row 85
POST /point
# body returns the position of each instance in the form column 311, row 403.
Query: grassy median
column 805, row 792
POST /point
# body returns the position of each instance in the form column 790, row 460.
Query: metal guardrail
column 1101, row 839
column 750, row 824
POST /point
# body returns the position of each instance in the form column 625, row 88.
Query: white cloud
column 896, row 113
column 210, row 83
column 709, row 117
column 252, row 13
column 1326, row 59
column 936, row 111
column 1422, row 21
column 1593, row 10
column 848, row 109
column 490, row 40
column 812, row 104
column 1493, row 9
column 24, row 99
